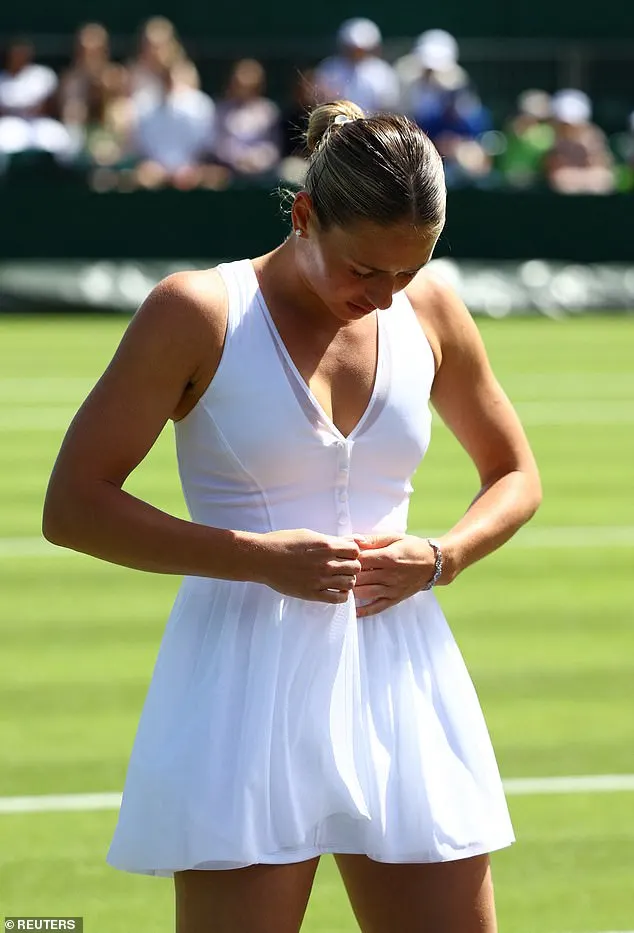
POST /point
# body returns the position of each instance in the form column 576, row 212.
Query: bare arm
column 473, row 405
column 470, row 400
column 158, row 359
column 163, row 364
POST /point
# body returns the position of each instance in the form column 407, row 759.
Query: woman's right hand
column 309, row 565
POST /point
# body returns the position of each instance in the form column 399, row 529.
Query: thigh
column 442, row 897
column 257, row 899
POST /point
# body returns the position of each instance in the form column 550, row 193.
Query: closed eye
column 368, row 275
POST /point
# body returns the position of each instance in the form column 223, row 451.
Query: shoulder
column 186, row 308
column 192, row 294
column 178, row 333
column 442, row 314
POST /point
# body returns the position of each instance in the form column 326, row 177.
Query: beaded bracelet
column 437, row 563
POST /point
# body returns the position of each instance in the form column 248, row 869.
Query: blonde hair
column 322, row 120
column 382, row 168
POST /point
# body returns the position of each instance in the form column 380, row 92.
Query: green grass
column 546, row 631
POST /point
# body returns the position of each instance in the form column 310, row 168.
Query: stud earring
column 298, row 232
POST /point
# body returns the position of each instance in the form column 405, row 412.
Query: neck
column 284, row 286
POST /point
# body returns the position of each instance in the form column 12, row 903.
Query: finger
column 372, row 542
column 375, row 591
column 372, row 609
column 378, row 553
column 344, row 550
column 351, row 567
column 333, row 596
column 366, row 577
column 335, row 547
column 373, row 560
column 340, row 582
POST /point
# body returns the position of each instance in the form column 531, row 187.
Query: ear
column 302, row 212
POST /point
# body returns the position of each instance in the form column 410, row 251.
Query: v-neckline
column 304, row 386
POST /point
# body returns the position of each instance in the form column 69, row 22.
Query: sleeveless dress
column 276, row 729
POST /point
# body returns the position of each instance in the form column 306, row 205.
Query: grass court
column 545, row 626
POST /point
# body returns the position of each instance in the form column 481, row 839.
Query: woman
column 308, row 696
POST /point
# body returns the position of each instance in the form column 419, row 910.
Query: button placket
column 341, row 487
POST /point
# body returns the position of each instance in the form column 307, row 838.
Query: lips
column 361, row 309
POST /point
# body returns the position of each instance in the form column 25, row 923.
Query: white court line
column 574, row 784
column 61, row 803
column 582, row 784
column 573, row 536
column 31, row 547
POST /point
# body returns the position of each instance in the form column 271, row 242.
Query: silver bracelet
column 437, row 563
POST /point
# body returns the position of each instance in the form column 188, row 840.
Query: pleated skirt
column 276, row 729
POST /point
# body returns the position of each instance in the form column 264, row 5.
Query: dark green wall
column 67, row 221
column 567, row 18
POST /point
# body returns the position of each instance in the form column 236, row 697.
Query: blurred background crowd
column 149, row 120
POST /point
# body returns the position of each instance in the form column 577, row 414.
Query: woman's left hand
column 393, row 567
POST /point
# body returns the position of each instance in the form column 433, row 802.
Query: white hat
column 571, row 106
column 436, row 49
column 359, row 33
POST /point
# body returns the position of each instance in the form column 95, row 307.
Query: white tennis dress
column 276, row 729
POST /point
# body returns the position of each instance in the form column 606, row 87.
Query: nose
column 380, row 295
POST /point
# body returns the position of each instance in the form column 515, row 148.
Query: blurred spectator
column 429, row 71
column 90, row 59
column 248, row 128
column 437, row 94
column 173, row 136
column 527, row 137
column 357, row 72
column 580, row 160
column 26, row 94
column 26, row 89
column 109, row 117
column 455, row 126
column 159, row 48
